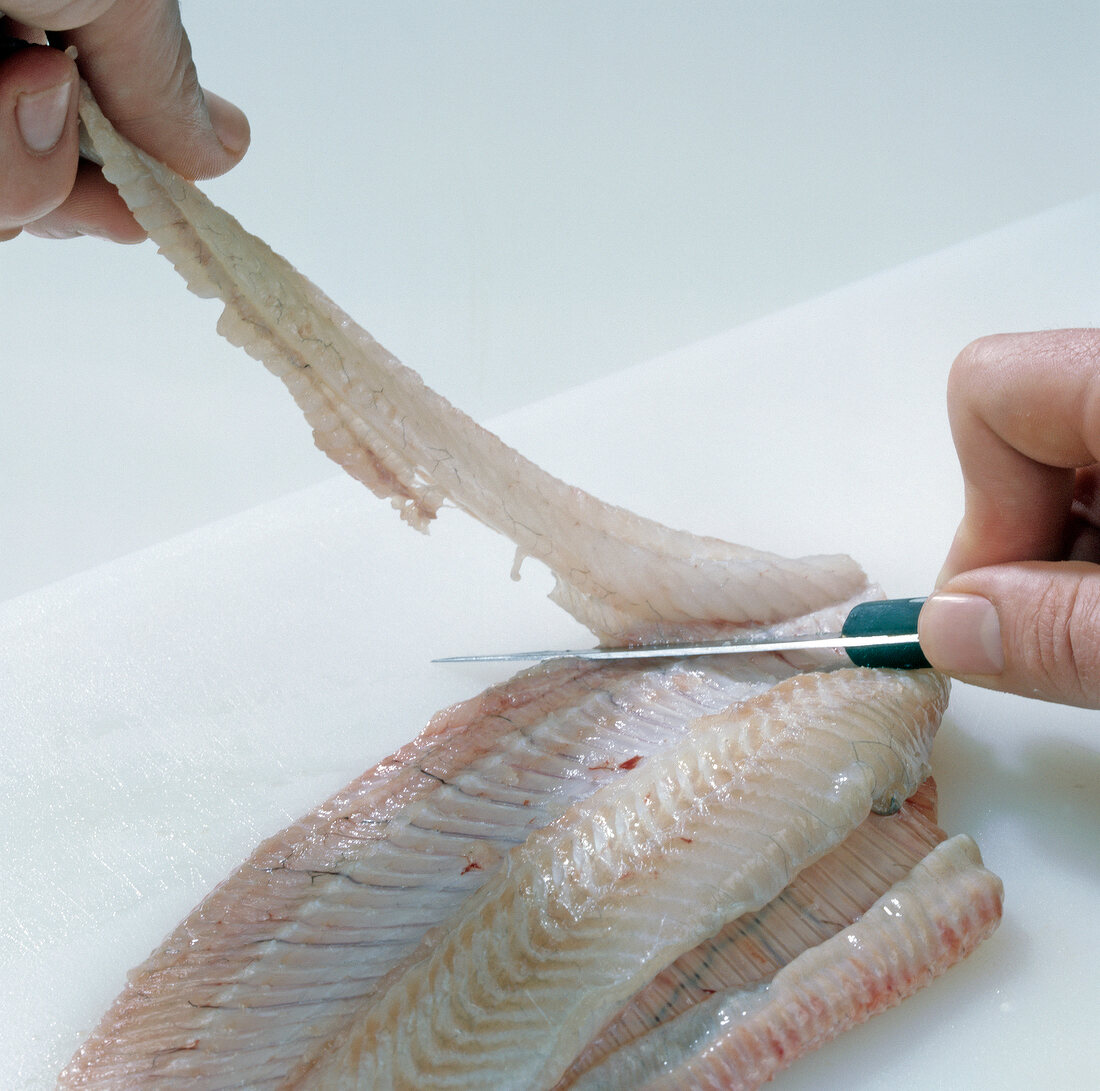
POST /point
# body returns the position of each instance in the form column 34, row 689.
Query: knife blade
column 882, row 633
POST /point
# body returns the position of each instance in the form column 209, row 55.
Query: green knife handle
column 886, row 617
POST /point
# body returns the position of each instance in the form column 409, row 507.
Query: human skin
column 1018, row 603
column 136, row 58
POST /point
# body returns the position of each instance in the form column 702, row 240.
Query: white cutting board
column 163, row 713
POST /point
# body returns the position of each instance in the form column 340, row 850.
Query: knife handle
column 886, row 617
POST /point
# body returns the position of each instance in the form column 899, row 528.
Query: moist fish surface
column 489, row 904
column 823, row 899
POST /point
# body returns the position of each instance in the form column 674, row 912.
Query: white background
column 516, row 199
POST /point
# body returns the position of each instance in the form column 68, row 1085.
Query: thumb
column 136, row 58
column 1031, row 628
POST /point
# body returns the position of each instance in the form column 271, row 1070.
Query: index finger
column 1025, row 415
column 136, row 57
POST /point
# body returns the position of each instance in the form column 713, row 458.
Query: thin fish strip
column 824, row 898
column 739, row 1040
column 510, row 991
column 378, row 420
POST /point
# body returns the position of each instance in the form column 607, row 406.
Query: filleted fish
column 534, row 892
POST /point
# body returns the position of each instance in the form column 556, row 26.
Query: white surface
column 517, row 197
column 164, row 712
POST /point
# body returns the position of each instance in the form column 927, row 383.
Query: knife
column 874, row 634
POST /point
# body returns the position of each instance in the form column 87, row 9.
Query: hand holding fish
column 1018, row 608
column 136, row 57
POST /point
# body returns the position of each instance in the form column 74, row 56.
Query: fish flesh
column 618, row 573
column 826, row 896
column 739, row 1039
column 285, row 955
column 700, row 834
column 538, row 890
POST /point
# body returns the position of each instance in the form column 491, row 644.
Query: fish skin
column 738, row 1041
column 623, row 576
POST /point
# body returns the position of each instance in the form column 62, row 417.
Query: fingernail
column 230, row 124
column 961, row 634
column 41, row 116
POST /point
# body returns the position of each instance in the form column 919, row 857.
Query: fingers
column 137, row 60
column 1083, row 531
column 159, row 104
column 1030, row 628
column 93, row 207
column 56, row 14
column 1025, row 414
column 38, row 135
column 1018, row 607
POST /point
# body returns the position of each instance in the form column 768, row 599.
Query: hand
column 1018, row 605
column 137, row 61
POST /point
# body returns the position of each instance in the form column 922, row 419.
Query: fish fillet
column 291, row 943
column 534, row 963
column 286, row 952
column 739, row 1040
column 824, row 898
column 615, row 571
column 485, row 904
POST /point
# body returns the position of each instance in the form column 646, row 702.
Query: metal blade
column 706, row 647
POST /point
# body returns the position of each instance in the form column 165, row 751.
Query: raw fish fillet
column 738, row 1040
column 547, row 860
column 822, row 899
column 615, row 571
column 326, row 908
column 588, row 909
